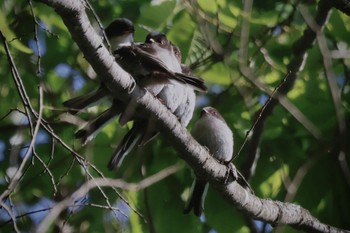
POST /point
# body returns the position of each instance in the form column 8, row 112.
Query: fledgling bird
column 179, row 97
column 119, row 33
column 154, row 81
column 159, row 65
column 154, row 64
column 212, row 132
column 157, row 62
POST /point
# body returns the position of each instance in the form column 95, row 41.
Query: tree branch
column 102, row 182
column 120, row 82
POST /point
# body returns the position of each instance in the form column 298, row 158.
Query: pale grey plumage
column 212, row 132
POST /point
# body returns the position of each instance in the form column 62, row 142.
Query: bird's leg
column 231, row 169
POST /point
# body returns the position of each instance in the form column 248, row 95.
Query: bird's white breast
column 216, row 136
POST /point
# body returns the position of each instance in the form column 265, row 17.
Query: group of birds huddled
column 156, row 66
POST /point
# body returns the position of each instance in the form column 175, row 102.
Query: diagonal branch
column 274, row 212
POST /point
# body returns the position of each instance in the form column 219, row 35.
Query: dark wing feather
column 99, row 122
column 78, row 103
column 126, row 145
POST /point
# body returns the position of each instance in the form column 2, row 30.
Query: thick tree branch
column 274, row 212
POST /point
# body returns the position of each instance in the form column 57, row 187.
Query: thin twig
column 15, row 178
column 13, row 218
column 260, row 114
column 36, row 39
column 99, row 24
column 102, row 182
column 29, row 109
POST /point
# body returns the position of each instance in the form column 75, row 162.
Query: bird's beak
column 204, row 111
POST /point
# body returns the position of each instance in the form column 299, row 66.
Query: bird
column 153, row 81
column 154, row 64
column 120, row 32
column 180, row 99
column 212, row 132
column 178, row 96
column 92, row 127
column 155, row 61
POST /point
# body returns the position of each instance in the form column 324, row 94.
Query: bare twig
column 36, row 39
column 259, row 116
column 100, row 182
column 15, row 178
column 99, row 23
column 30, row 111
column 9, row 211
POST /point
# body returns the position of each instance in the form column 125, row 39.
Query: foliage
column 293, row 165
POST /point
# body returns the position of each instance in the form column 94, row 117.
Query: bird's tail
column 196, row 201
column 195, row 82
column 92, row 128
column 126, row 145
column 78, row 103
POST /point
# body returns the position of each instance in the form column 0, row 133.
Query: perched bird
column 153, row 81
column 92, row 127
column 212, row 132
column 178, row 96
column 180, row 99
column 155, row 63
column 119, row 33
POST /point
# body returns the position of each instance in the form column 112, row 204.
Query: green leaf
column 9, row 35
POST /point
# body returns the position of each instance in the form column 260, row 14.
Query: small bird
column 212, row 132
column 155, row 65
column 119, row 33
column 154, row 82
column 91, row 129
column 155, row 61
column 184, row 111
column 179, row 97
